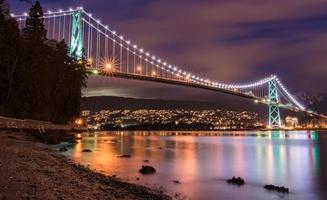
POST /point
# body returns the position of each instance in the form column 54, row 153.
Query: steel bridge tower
column 76, row 38
column 273, row 101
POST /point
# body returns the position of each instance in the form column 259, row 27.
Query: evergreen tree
column 36, row 72
column 38, row 78
column 34, row 30
column 10, row 58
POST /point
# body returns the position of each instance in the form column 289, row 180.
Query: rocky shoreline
column 30, row 171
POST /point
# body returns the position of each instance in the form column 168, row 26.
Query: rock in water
column 86, row 150
column 63, row 149
column 236, row 181
column 176, row 182
column 276, row 188
column 124, row 156
column 147, row 170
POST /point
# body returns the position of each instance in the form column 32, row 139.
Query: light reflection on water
column 201, row 161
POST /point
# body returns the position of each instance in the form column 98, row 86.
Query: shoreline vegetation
column 28, row 170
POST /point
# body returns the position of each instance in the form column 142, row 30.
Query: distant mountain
column 111, row 102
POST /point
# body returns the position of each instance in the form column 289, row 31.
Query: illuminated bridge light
column 95, row 72
column 89, row 61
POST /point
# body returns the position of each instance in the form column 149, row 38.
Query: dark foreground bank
column 29, row 171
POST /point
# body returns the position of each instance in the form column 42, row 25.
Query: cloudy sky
column 225, row 40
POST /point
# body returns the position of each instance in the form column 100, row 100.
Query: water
column 202, row 161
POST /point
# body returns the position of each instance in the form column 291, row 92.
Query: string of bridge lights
column 144, row 55
column 171, row 69
column 298, row 104
column 158, row 62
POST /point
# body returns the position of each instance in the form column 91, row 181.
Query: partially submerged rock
column 147, row 170
column 176, row 182
column 63, row 149
column 276, row 188
column 236, row 181
column 87, row 150
column 124, row 156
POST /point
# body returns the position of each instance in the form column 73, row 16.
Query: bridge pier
column 274, row 114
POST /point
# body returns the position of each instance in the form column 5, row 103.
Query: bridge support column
column 274, row 114
column 76, row 38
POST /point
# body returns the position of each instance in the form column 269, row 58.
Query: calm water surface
column 202, row 161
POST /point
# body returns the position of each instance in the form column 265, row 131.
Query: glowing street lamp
column 154, row 73
column 139, row 69
column 95, row 72
column 187, row 77
column 109, row 66
column 89, row 61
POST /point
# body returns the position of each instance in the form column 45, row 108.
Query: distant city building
column 85, row 113
column 291, row 121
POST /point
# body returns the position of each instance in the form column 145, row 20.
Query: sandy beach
column 28, row 170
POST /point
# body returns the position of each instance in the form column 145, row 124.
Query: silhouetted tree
column 38, row 78
column 10, row 57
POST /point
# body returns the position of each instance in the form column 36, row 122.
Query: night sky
column 225, row 40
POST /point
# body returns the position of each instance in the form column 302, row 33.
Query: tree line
column 38, row 78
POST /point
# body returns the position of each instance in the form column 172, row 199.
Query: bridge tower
column 274, row 115
column 76, row 38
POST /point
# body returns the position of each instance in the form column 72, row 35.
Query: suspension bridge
column 110, row 54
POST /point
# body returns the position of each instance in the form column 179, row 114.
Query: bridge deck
column 193, row 85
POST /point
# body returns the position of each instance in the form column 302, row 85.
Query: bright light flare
column 109, row 65
column 79, row 121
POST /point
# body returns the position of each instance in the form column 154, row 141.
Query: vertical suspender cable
column 64, row 27
column 48, row 29
column 54, row 27
column 106, row 44
column 113, row 46
column 146, row 68
column 59, row 31
column 88, row 39
column 127, row 54
column 83, row 33
column 141, row 65
column 97, row 47
column 121, row 57
column 69, row 28
column 134, row 61
column 91, row 46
